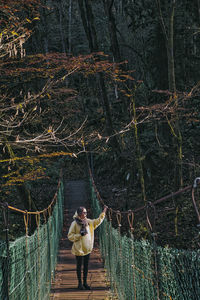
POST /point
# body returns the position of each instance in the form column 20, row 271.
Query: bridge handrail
column 27, row 265
column 191, row 187
column 144, row 270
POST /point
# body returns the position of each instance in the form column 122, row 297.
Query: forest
column 113, row 81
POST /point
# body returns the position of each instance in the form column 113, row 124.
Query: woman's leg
column 85, row 271
column 78, row 271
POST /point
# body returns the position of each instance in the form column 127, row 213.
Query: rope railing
column 152, row 204
column 27, row 265
column 142, row 269
column 25, row 212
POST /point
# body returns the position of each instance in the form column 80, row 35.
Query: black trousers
column 79, row 261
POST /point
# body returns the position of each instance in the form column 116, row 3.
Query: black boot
column 86, row 286
column 78, row 272
column 80, row 286
column 85, row 272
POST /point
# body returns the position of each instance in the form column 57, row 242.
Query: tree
column 169, row 41
column 38, row 113
column 89, row 26
column 108, row 5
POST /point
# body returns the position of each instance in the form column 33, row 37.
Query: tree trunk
column 70, row 27
column 138, row 152
column 108, row 4
column 60, row 9
column 169, row 41
column 85, row 22
column 170, row 51
column 175, row 130
column 91, row 24
column 89, row 27
column 198, row 9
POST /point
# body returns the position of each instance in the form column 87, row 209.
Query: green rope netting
column 3, row 272
column 144, row 271
column 32, row 259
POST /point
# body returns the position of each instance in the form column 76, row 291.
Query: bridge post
column 6, row 261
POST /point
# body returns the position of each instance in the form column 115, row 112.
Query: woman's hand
column 105, row 208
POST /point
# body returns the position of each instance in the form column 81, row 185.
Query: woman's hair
column 80, row 210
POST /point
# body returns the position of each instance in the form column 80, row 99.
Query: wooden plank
column 65, row 283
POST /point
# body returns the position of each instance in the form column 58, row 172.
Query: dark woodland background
column 116, row 79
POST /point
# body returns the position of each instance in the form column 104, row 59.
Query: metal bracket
column 196, row 182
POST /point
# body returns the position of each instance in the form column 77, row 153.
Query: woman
column 81, row 233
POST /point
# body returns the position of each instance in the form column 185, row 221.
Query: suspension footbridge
column 135, row 269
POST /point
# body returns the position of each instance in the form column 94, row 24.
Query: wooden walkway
column 65, row 285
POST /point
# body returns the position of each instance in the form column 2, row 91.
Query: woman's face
column 83, row 214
